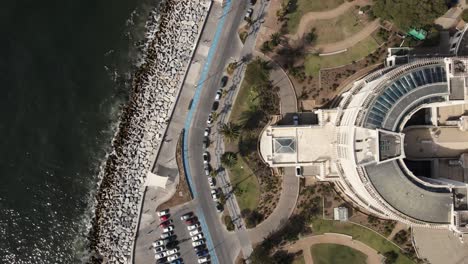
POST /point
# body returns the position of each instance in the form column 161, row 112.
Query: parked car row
column 197, row 237
column 165, row 249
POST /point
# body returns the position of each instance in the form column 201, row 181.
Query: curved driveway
column 305, row 243
column 283, row 210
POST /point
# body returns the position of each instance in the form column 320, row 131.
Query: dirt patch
column 182, row 193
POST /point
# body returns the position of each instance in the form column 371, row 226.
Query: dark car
column 166, row 224
column 202, row 253
column 200, row 248
column 215, row 106
column 252, row 2
column 224, row 81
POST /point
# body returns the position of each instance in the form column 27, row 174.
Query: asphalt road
column 225, row 244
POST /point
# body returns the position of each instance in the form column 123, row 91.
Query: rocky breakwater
column 142, row 126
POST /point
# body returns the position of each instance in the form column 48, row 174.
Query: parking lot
column 182, row 240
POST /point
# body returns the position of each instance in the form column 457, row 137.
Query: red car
column 191, row 221
column 163, row 218
column 165, row 224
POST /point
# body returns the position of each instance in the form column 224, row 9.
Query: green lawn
column 336, row 254
column 362, row 234
column 337, row 29
column 305, row 6
column 314, row 63
column 243, row 179
column 299, row 260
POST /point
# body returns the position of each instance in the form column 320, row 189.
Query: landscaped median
column 366, row 236
column 256, row 188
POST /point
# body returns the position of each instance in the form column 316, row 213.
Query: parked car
column 186, row 216
column 177, row 261
column 167, row 234
column 215, row 106
column 163, row 218
column 206, row 142
column 161, row 261
column 158, row 249
column 209, row 121
column 158, row 243
column 219, row 93
column 193, row 227
column 165, row 224
column 207, row 132
column 197, row 237
column 169, row 228
column 163, row 212
column 214, row 195
column 194, row 232
column 173, row 257
column 199, row 248
column 207, row 169
column 198, row 243
column 219, row 208
column 172, row 251
column 202, row 253
column 191, row 221
column 252, row 2
column 295, row 119
column 206, row 157
column 224, row 81
column 212, row 182
column 203, row 260
column 160, row 255
column 248, row 14
column 298, row 171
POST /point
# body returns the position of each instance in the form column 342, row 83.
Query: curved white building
column 395, row 144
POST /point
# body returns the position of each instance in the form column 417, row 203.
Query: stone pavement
column 440, row 246
column 305, row 244
column 283, row 210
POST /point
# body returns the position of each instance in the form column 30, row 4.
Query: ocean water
column 65, row 71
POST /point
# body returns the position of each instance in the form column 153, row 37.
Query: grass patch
column 337, row 29
column 299, row 260
column 314, row 63
column 304, row 6
column 362, row 234
column 245, row 184
column 336, row 254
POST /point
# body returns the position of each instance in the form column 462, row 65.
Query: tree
column 390, row 257
column 311, row 36
column 230, row 131
column 275, row 39
column 228, row 223
column 229, row 159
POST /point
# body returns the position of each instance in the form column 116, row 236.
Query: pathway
column 283, row 210
column 305, row 243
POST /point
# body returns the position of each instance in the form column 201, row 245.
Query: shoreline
column 141, row 128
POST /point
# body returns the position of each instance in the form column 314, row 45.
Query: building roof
column 407, row 197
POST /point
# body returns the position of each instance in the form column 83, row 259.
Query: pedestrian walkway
column 306, row 243
column 283, row 210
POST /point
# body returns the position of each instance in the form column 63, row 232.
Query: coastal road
column 228, row 48
column 225, row 44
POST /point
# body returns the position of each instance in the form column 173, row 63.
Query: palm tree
column 275, row 39
column 229, row 159
column 230, row 131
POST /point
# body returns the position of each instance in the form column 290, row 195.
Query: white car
column 186, row 216
column 214, row 195
column 168, row 229
column 212, row 183
column 173, row 257
column 197, row 237
column 207, row 132
column 158, row 243
column 193, row 227
column 172, row 251
column 160, row 255
column 207, row 169
column 194, row 232
column 163, row 212
column 210, row 119
column 203, row 260
column 248, row 14
column 206, row 157
column 198, row 243
column 158, row 249
column 167, row 235
column 218, row 95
